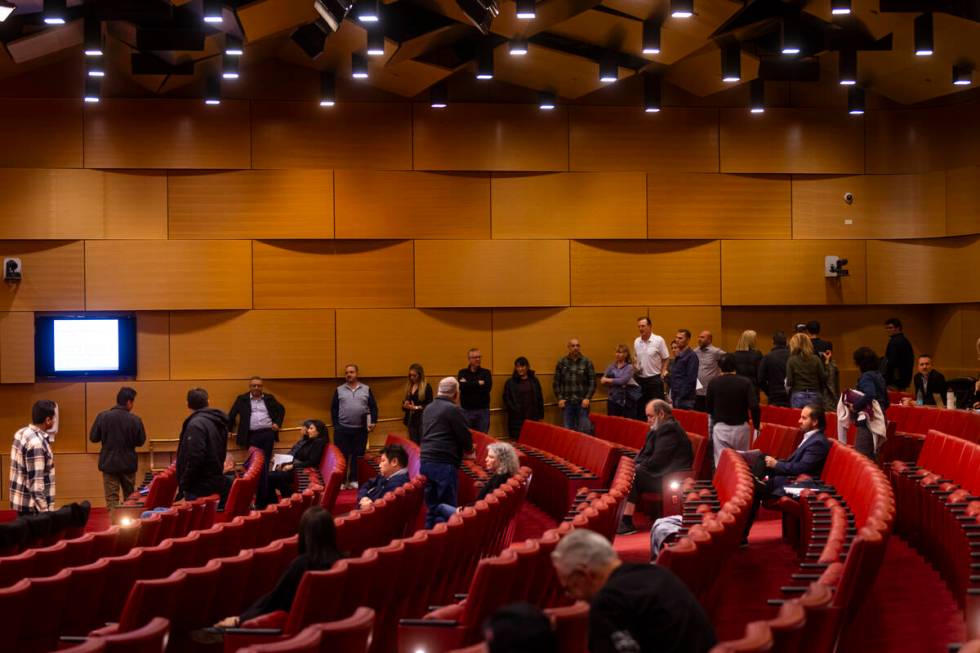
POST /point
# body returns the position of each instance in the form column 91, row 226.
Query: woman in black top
column 317, row 552
column 418, row 395
column 306, row 453
column 522, row 397
column 748, row 358
column 502, row 463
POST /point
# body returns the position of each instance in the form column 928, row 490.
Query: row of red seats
column 912, row 423
column 160, row 493
column 330, row 475
column 350, row 635
column 798, row 623
column 522, row 573
column 596, row 456
column 397, row 580
column 693, row 421
column 778, row 440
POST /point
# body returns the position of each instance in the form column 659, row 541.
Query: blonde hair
column 800, row 345
column 626, row 350
column 416, row 367
column 746, row 341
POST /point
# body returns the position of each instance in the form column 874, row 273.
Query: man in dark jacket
column 393, row 465
column 446, row 439
column 684, row 373
column 928, row 381
column 259, row 416
column 667, row 449
column 202, row 449
column 772, row 372
column 899, row 356
column 120, row 432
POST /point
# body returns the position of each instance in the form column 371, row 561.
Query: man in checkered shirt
column 32, row 463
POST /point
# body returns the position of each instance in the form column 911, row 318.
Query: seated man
column 928, row 382
column 394, row 474
column 667, row 449
column 635, row 607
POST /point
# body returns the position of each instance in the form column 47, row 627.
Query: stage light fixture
column 439, row 95
column 847, row 65
column 923, row 36
column 54, row 12
column 328, row 89
column 94, row 68
column 333, row 12
column 757, row 96
column 6, row 8
column 855, row 101
column 229, row 66
column 791, row 38
column 651, row 37
column 367, row 11
column 962, row 75
column 840, row 7
column 358, row 66
column 731, row 63
column 233, row 46
column 681, row 8
column 212, row 90
column 525, row 9
column 93, row 38
column 212, row 12
column 93, row 90
column 310, row 38
column 517, row 47
column 652, row 94
column 484, row 62
column 608, row 69
column 546, row 100
column 375, row 41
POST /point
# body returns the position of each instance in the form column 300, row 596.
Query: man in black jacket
column 446, row 439
column 772, row 371
column 928, row 381
column 667, row 449
column 202, row 449
column 260, row 417
column 899, row 356
column 120, row 432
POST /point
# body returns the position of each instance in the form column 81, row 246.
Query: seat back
column 151, row 637
column 350, row 635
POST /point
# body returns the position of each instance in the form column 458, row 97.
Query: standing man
column 683, row 373
column 928, row 382
column 260, row 417
column 475, row 383
column 708, row 358
column 729, row 401
column 899, row 356
column 120, row 432
column 819, row 344
column 354, row 412
column 772, row 372
column 32, row 463
column 202, row 449
column 446, row 439
column 650, row 365
column 574, row 385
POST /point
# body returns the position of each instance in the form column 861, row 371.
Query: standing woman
column 872, row 385
column 522, row 397
column 805, row 373
column 623, row 391
column 418, row 395
column 748, row 358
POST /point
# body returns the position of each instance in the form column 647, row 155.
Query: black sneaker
column 626, row 528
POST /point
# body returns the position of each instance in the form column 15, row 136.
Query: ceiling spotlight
column 333, row 12
column 212, row 90
column 212, row 12
column 310, row 38
column 328, row 93
column 922, row 28
column 375, row 41
column 731, row 63
column 790, row 36
column 229, row 66
column 840, row 7
column 233, row 46
column 484, row 62
column 93, row 38
column 525, row 9
column 480, row 12
column 962, row 75
column 94, row 68
column 757, row 96
column 54, row 12
column 651, row 37
column 652, row 93
column 93, row 90
column 855, row 101
column 358, row 66
column 518, row 47
column 439, row 95
column 608, row 69
column 6, row 8
column 367, row 11
column 847, row 62
column 681, row 8
column 546, row 100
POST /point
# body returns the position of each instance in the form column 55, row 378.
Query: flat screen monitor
column 74, row 346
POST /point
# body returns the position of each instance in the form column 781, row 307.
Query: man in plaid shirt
column 574, row 385
column 32, row 463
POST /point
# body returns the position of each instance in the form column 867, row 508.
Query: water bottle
column 919, row 399
column 950, row 399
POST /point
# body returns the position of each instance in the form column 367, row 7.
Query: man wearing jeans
column 445, row 440
column 574, row 385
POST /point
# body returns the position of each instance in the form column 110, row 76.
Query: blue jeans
column 440, row 487
column 574, row 416
column 801, row 398
column 478, row 419
column 445, row 511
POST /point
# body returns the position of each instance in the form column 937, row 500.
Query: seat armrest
column 266, row 632
column 438, row 623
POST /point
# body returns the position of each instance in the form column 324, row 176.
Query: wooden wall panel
column 135, row 205
column 78, row 479
column 569, row 205
column 924, row 271
column 54, row 276
column 17, row 347
column 885, row 206
column 624, row 138
column 513, row 137
column 970, row 317
column 349, row 135
column 668, row 320
column 50, row 203
column 439, row 339
column 167, row 134
column 462, row 273
column 902, row 141
column 70, row 397
column 813, row 141
column 324, row 274
column 47, row 133
column 717, row 206
column 959, row 134
column 622, row 273
column 152, row 275
column 152, row 345
column 251, row 204
column 392, row 204
column 963, row 201
column 274, row 344
column 759, row 272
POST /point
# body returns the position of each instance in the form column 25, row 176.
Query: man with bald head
column 708, row 358
column 446, row 439
column 574, row 385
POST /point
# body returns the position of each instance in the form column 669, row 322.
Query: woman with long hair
column 805, row 373
column 306, row 453
column 748, row 358
column 418, row 395
column 523, row 398
column 873, row 387
column 623, row 392
column 501, row 463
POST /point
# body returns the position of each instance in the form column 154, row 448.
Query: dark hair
column 813, row 327
column 687, row 334
column 779, row 338
column 522, row 360
column 894, row 322
column 255, row 377
column 520, row 628
column 320, row 427
column 727, row 363
column 816, row 412
column 318, row 537
column 125, row 395
column 395, row 452
column 866, row 359
column 645, row 317
column 197, row 398
column 41, row 410
column 929, row 356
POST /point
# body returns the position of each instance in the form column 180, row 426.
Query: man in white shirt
column 651, row 353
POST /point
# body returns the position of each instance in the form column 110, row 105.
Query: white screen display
column 86, row 345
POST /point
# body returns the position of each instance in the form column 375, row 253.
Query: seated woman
column 502, row 463
column 317, row 552
column 306, row 453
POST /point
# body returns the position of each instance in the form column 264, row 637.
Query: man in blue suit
column 393, row 465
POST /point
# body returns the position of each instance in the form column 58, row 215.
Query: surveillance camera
column 849, row 198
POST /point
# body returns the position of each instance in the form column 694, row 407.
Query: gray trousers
column 726, row 436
